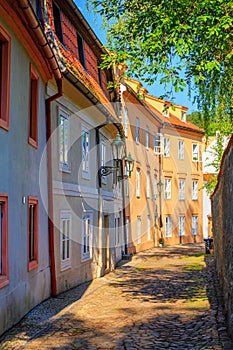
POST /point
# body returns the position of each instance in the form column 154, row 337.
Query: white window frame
column 158, row 143
column 195, row 152
column 168, row 226
column 194, row 225
column 63, row 141
column 167, row 188
column 126, row 122
column 194, row 189
column 127, row 231
column 181, row 225
column 86, row 154
column 138, row 183
column 183, row 116
column 147, row 137
column 166, row 143
column 137, row 131
column 87, row 232
column 65, row 239
column 155, row 187
column 148, row 184
column 103, row 149
column 139, row 222
column 180, row 149
column 148, row 228
column 181, row 189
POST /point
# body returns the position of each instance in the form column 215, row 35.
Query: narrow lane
column 163, row 299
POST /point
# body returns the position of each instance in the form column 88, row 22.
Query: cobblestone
column 165, row 298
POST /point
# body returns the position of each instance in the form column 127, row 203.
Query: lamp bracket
column 106, row 170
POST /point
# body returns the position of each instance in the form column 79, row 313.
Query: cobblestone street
column 163, row 299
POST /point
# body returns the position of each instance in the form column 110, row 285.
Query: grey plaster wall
column 19, row 178
column 222, row 213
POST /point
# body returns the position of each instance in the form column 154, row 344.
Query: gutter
column 42, row 41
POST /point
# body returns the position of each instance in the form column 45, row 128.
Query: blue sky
column 95, row 23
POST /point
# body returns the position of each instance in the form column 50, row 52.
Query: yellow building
column 165, row 190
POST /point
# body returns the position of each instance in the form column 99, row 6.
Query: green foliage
column 216, row 153
column 161, row 38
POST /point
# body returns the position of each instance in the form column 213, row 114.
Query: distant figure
column 209, row 245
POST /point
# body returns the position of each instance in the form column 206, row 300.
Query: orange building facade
column 165, row 191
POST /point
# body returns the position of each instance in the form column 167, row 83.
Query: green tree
column 183, row 42
column 216, row 153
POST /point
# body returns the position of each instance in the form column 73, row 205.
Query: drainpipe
column 160, row 194
column 50, row 186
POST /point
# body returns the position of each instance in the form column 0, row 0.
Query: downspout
column 160, row 220
column 50, row 186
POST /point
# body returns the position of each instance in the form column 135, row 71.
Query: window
column 183, row 116
column 86, row 235
column 148, row 185
column 181, row 225
column 194, row 225
column 4, row 269
column 103, row 157
column 138, row 229
column 148, row 228
column 166, row 110
column 138, row 183
column 126, row 122
column 181, row 189
column 57, row 22
column 81, row 54
column 100, row 77
column 168, row 226
column 116, row 228
column 155, row 187
column 64, row 140
column 147, row 137
column 158, row 143
column 32, row 233
column 33, row 108
column 127, row 230
column 126, row 184
column 180, row 149
column 137, row 130
column 167, row 189
column 195, row 152
column 65, row 242
column 85, row 152
column 166, row 147
column 39, row 12
column 194, row 189
column 5, row 58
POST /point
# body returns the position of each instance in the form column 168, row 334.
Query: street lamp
column 129, row 165
column 160, row 186
column 119, row 153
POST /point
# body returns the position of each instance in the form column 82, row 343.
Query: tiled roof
column 173, row 120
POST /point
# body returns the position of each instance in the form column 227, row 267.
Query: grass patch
column 193, row 267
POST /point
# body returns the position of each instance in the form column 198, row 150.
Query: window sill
column 4, row 124
column 64, row 168
column 32, row 265
column 4, row 281
column 33, row 142
column 65, row 266
column 85, row 258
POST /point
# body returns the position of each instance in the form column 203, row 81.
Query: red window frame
column 5, row 60
column 32, row 233
column 4, row 275
column 33, row 108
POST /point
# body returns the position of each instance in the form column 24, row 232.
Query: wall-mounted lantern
column 160, row 186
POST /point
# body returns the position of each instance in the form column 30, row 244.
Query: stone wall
column 222, row 213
